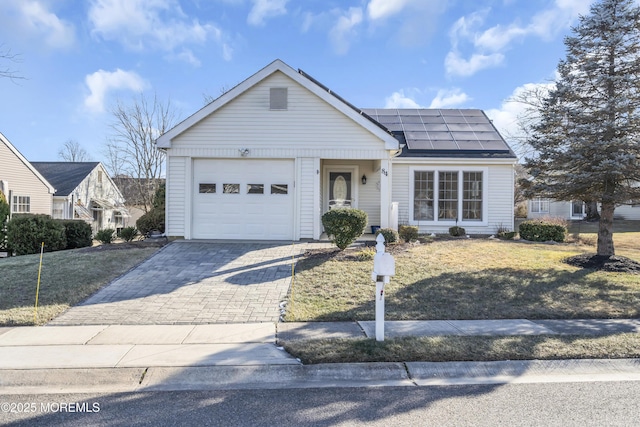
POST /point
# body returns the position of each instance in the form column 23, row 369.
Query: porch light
column 364, row 179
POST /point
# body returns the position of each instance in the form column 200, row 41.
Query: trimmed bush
column 77, row 233
column 26, row 232
column 4, row 217
column 456, row 231
column 128, row 233
column 105, row 235
column 408, row 233
column 344, row 225
column 152, row 220
column 390, row 235
column 542, row 231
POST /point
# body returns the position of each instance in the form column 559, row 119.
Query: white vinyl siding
column 308, row 128
column 176, row 193
column 307, row 176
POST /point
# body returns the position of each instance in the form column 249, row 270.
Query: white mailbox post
column 384, row 266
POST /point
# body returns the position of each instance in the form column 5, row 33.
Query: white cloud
column 343, row 32
column 380, row 9
column 489, row 45
column 149, row 24
column 32, row 18
column 265, row 9
column 456, row 65
column 101, row 82
column 449, row 98
column 400, row 100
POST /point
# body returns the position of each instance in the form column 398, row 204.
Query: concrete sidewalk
column 217, row 356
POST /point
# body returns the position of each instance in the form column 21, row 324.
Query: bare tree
column 72, row 151
column 208, row 99
column 5, row 70
column 132, row 149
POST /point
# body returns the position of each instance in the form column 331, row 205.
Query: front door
column 340, row 191
column 577, row 209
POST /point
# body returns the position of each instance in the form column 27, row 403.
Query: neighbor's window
column 206, row 188
column 279, row 189
column 231, row 188
column 423, row 196
column 472, row 196
column 255, row 188
column 448, row 195
column 539, row 205
column 21, row 204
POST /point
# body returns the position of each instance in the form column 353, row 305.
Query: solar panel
column 441, row 129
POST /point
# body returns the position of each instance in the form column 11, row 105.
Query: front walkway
column 189, row 282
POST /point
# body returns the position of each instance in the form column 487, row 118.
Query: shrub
column 457, row 231
column 390, row 235
column 4, row 217
column 344, row 225
column 128, row 233
column 26, row 232
column 106, row 235
column 542, row 231
column 366, row 254
column 77, row 233
column 152, row 220
column 408, row 233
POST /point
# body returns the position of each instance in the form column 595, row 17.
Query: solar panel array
column 441, row 129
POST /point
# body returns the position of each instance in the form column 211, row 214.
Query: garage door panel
column 261, row 216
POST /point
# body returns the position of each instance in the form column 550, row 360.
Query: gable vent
column 278, row 98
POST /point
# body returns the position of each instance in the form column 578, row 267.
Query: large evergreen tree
column 587, row 141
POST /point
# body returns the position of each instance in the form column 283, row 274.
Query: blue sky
column 78, row 57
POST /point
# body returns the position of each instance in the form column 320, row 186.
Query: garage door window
column 255, row 188
column 279, row 189
column 231, row 188
column 207, row 188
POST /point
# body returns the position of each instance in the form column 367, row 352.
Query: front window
column 448, row 195
column 21, row 204
column 540, row 205
column 423, row 196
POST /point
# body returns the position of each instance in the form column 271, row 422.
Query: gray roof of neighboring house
column 65, row 176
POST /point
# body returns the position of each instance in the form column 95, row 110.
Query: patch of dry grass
column 473, row 348
column 67, row 278
column 469, row 279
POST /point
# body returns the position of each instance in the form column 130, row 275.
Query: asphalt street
column 545, row 404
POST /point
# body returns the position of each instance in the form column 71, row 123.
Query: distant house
column 540, row 207
column 85, row 191
column 26, row 190
column 269, row 157
column 132, row 189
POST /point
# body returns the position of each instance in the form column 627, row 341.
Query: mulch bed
column 616, row 264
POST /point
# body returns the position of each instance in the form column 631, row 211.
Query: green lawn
column 67, row 278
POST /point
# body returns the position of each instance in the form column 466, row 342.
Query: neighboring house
column 85, row 191
column 26, row 190
column 574, row 210
column 269, row 157
column 131, row 189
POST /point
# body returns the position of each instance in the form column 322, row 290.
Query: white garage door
column 243, row 199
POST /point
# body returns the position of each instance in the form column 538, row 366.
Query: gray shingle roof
column 65, row 176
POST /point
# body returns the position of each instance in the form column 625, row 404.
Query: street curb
column 111, row 380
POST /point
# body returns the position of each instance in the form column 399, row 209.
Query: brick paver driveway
column 193, row 283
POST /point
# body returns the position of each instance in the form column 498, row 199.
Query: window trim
column 436, row 200
column 16, row 202
column 539, row 201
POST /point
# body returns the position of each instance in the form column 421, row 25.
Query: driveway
column 190, row 282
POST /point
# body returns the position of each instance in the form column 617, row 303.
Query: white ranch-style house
column 265, row 160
